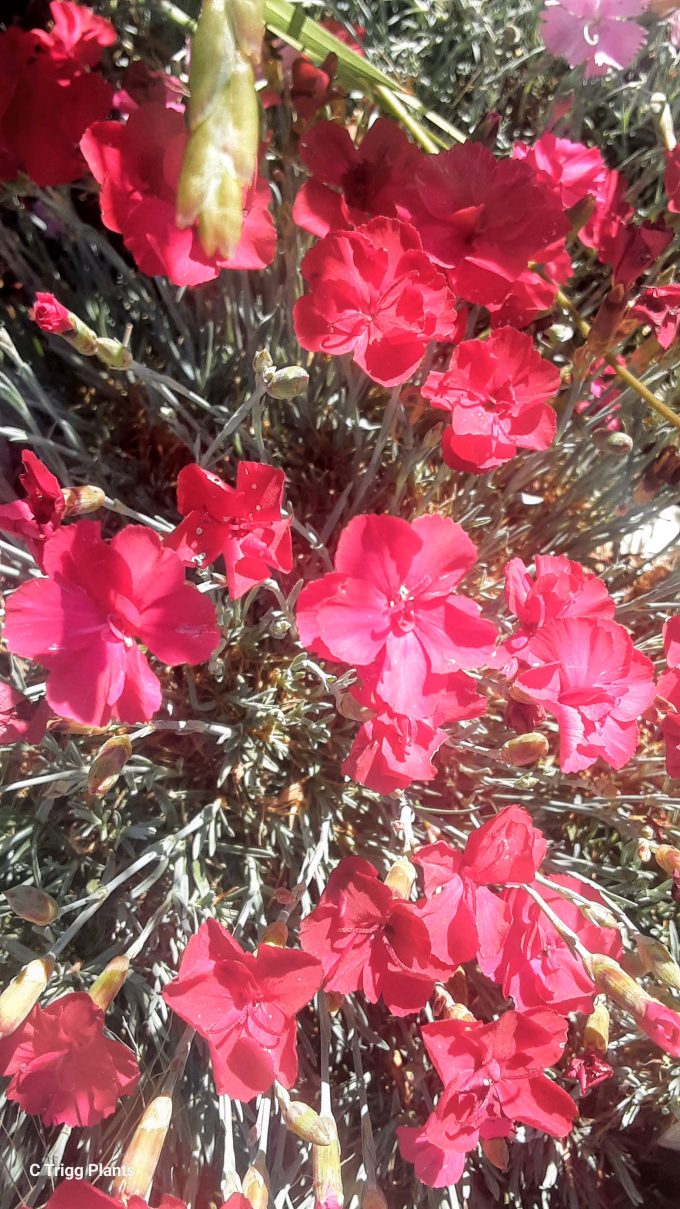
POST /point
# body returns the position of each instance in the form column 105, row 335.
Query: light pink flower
column 596, row 33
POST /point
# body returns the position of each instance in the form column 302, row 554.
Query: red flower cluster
column 389, row 609
column 577, row 663
column 49, row 74
column 493, row 1076
column 496, row 392
column 84, row 621
column 669, row 692
column 374, row 293
column 244, row 1005
column 244, row 523
column 63, row 1068
column 137, row 164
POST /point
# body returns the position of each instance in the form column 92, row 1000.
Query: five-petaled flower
column 374, row 293
column 368, row 938
column 496, row 392
column 590, row 676
column 64, row 1069
column 85, row 620
column 595, row 33
column 493, row 1076
column 245, row 1006
column 244, row 523
column 390, row 605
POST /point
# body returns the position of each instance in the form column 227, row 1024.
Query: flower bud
column 596, row 1029
column 303, row 1120
column 112, row 353
column 213, row 57
column 81, row 337
column 275, row 934
column 525, row 749
column 140, row 1159
column 659, row 961
column 668, row 858
column 334, row 1001
column 22, row 994
column 80, row 500
column 598, row 914
column 256, row 1185
column 401, row 878
column 51, row 316
column 612, row 442
column 108, row 764
column 581, row 213
column 288, row 383
column 263, row 364
column 107, row 985
column 32, row 904
column 328, row 1192
column 619, row 986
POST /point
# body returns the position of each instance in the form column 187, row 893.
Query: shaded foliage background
column 236, row 794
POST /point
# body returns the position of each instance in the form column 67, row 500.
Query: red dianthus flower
column 63, row 1068
column 659, row 306
column 244, row 1005
column 389, row 605
column 493, row 1076
column 83, row 622
column 373, row 293
column 21, row 720
column 34, row 519
column 50, row 315
column 244, row 523
column 496, row 392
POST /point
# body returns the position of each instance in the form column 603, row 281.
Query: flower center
column 120, row 628
column 402, row 611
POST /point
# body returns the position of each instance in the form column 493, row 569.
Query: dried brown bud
column 22, row 994
column 107, row 985
column 80, row 500
column 525, row 749
column 108, row 764
column 373, row 1198
column 496, row 1151
column 140, row 1159
column 334, row 1001
column 401, row 878
column 32, row 904
column 668, row 858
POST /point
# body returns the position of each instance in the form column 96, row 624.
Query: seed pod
column 668, row 858
column 525, row 749
column 32, row 904
column 401, row 878
column 80, row 500
column 600, row 915
column 140, row 1160
column 606, row 324
column 288, row 383
column 596, row 1029
column 275, row 934
column 619, row 986
column 612, row 442
column 659, row 960
column 108, row 764
column 328, row 1191
column 107, row 985
column 22, row 994
column 112, row 353
column 303, row 1120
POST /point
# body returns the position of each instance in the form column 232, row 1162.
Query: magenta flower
column 390, row 605
column 596, row 33
column 85, row 620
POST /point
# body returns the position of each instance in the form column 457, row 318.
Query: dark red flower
column 369, row 939
column 63, row 1068
column 78, row 35
column 659, row 306
column 140, row 86
column 50, row 315
column 612, row 212
column 351, row 184
column 340, row 31
column 21, row 720
column 534, row 964
column 85, row 1196
column 375, row 294
column 244, row 523
column 84, row 621
column 34, row 519
column 244, row 1005
column 311, row 87
column 137, row 163
column 496, row 391
column 505, row 849
column 672, row 179
column 589, row 1069
column 589, row 675
column 533, row 293
column 389, row 605
column 392, row 751
column 493, row 1076
column 634, row 249
column 484, row 219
